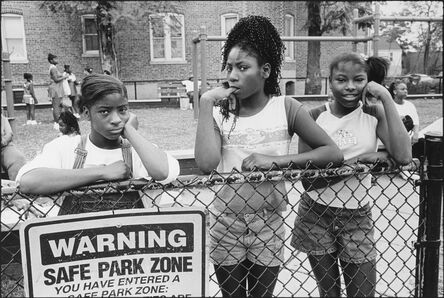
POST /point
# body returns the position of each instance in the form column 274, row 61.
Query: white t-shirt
column 189, row 85
column 59, row 154
column 66, row 88
column 408, row 108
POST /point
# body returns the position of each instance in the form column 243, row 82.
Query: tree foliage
column 325, row 17
column 421, row 36
column 110, row 16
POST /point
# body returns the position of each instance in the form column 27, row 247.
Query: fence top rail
column 238, row 177
column 398, row 18
column 300, row 38
column 411, row 19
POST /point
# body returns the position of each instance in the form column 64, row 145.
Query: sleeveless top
column 266, row 132
column 354, row 134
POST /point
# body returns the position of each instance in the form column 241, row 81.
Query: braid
column 257, row 35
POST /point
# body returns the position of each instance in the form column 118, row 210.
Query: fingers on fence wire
column 18, row 207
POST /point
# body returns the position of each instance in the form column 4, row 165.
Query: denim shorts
column 258, row 237
column 320, row 230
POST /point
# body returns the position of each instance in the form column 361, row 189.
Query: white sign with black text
column 137, row 252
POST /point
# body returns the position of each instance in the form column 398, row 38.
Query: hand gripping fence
column 394, row 195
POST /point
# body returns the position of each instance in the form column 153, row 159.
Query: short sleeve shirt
column 59, row 154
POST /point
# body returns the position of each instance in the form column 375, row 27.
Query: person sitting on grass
column 11, row 158
column 68, row 124
column 115, row 150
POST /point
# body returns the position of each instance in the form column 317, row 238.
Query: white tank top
column 265, row 132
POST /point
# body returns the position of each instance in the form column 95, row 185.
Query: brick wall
column 60, row 34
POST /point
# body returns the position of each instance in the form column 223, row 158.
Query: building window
column 289, row 31
column 13, row 37
column 167, row 37
column 227, row 22
column 90, row 36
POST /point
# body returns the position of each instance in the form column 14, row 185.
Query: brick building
column 142, row 56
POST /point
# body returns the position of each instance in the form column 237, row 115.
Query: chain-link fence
column 393, row 193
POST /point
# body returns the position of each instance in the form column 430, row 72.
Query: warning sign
column 141, row 252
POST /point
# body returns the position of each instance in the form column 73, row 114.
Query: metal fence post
column 376, row 37
column 430, row 226
column 355, row 30
column 195, row 78
column 203, row 58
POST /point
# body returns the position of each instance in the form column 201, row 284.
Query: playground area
column 409, row 263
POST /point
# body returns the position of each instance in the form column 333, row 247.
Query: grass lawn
column 169, row 128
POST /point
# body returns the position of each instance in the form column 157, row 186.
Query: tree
column 325, row 17
column 110, row 15
column 421, row 36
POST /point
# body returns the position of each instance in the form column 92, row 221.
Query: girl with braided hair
column 334, row 224
column 245, row 125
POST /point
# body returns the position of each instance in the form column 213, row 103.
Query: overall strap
column 127, row 153
column 81, row 153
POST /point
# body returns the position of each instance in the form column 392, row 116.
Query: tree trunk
column 313, row 83
column 106, row 39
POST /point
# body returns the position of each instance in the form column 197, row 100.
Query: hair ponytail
column 377, row 68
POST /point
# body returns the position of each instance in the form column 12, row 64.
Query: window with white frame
column 167, row 37
column 227, row 22
column 13, row 37
column 289, row 31
column 90, row 37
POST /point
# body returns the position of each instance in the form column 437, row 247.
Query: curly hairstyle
column 71, row 122
column 96, row 86
column 257, row 35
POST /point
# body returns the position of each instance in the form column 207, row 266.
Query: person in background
column 334, row 224
column 243, row 125
column 55, row 90
column 29, row 99
column 113, row 150
column 189, row 87
column 68, row 124
column 88, row 70
column 11, row 158
column 406, row 109
column 72, row 82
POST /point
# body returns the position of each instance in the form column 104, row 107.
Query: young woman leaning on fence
column 335, row 222
column 246, row 124
column 113, row 150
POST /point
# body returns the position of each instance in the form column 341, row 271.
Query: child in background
column 88, row 70
column 104, row 102
column 72, row 83
column 29, row 99
column 68, row 124
column 253, row 128
column 334, row 223
column 406, row 109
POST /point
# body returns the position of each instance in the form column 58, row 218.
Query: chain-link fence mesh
column 393, row 196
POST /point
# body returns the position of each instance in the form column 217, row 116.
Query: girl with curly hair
column 245, row 125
